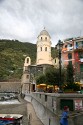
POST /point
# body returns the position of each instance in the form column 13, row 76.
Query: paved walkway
column 34, row 120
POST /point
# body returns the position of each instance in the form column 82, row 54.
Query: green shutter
column 81, row 67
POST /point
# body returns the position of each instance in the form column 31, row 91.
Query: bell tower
column 44, row 48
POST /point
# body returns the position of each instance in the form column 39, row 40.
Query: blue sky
column 25, row 19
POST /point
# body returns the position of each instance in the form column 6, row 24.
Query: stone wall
column 10, row 86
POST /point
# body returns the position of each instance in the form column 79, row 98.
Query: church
column 43, row 61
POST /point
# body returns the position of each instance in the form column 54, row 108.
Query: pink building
column 72, row 52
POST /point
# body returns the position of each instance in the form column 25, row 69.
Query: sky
column 25, row 19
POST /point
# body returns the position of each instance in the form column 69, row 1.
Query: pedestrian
column 64, row 117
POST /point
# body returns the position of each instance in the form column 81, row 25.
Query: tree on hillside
column 12, row 56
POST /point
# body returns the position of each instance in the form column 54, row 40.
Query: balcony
column 67, row 49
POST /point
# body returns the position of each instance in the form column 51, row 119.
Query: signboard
column 78, row 104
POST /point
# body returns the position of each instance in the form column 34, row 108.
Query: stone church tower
column 44, row 48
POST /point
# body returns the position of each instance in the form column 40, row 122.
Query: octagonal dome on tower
column 44, row 32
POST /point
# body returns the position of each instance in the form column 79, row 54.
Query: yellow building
column 44, row 48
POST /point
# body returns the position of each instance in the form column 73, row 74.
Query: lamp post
column 59, row 47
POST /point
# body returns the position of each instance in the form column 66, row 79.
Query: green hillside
column 12, row 56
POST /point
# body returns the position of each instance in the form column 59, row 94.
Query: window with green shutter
column 81, row 67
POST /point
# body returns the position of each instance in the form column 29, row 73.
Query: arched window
column 27, row 76
column 41, row 48
column 27, row 60
column 41, row 38
column 65, row 46
column 46, row 38
column 55, row 60
column 45, row 48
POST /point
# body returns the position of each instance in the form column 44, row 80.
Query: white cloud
column 24, row 19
